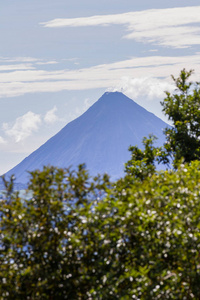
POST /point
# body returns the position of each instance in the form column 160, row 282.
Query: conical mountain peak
column 114, row 97
column 100, row 138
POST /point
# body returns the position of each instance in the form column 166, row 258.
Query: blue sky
column 58, row 57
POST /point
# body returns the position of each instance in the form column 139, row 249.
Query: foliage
column 143, row 162
column 183, row 109
column 67, row 242
column 149, row 238
column 40, row 256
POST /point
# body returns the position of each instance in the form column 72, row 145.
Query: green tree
column 143, row 162
column 183, row 109
column 148, row 238
column 40, row 253
column 78, row 238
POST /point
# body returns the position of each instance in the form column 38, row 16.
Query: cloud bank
column 173, row 27
column 137, row 69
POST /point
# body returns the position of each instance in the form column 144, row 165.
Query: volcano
column 100, row 138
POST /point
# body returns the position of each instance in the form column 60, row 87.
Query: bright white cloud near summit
column 57, row 62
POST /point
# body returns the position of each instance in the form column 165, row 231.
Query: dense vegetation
column 78, row 237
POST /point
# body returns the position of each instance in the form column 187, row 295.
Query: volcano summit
column 100, row 138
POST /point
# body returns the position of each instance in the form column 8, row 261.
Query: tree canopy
column 183, row 109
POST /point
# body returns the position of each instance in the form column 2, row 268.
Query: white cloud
column 51, row 62
column 153, row 50
column 20, row 63
column 144, row 86
column 18, row 59
column 50, row 117
column 16, row 67
column 172, row 27
column 20, row 82
column 2, row 140
column 23, row 126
